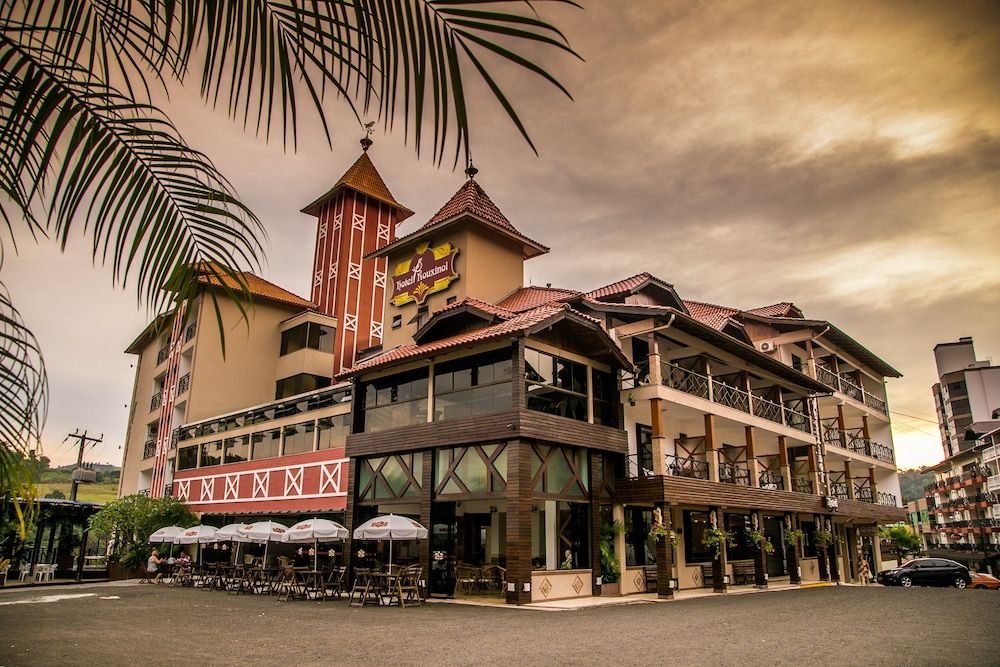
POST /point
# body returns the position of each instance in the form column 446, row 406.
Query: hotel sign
column 430, row 270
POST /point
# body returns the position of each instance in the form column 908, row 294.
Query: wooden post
column 719, row 564
column 752, row 462
column 865, row 429
column 834, row 560
column 711, row 453
column 659, row 439
column 874, row 487
column 80, row 559
column 850, row 480
column 350, row 512
column 760, row 560
column 841, row 423
column 426, row 518
column 518, row 522
column 786, row 470
column 664, row 558
column 792, row 554
column 814, row 473
column 821, row 554
column 596, row 463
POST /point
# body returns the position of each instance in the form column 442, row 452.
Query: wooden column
column 752, row 463
column 834, row 559
column 719, row 584
column 874, row 487
column 518, row 522
column 596, row 463
column 786, row 469
column 664, row 557
column 711, row 453
column 850, row 480
column 814, row 473
column 426, row 518
column 792, row 554
column 655, row 371
column 659, row 439
column 821, row 552
column 841, row 420
column 865, row 430
column 350, row 513
column 760, row 559
column 80, row 559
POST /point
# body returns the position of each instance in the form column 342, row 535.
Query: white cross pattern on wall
column 322, row 229
column 232, row 486
column 183, row 489
column 354, row 271
column 293, row 481
column 380, row 279
column 207, row 488
column 333, row 271
column 358, row 222
column 350, row 322
column 376, row 330
column 319, row 278
column 260, row 484
column 329, row 478
column 383, row 231
column 337, row 220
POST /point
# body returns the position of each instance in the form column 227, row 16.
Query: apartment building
column 520, row 424
column 967, row 391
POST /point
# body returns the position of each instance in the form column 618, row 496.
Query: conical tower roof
column 363, row 178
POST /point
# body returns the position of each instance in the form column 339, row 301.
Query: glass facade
column 399, row 400
column 308, row 335
column 554, row 385
column 478, row 385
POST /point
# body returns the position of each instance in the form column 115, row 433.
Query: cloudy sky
column 844, row 156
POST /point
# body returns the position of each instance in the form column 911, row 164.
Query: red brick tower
column 357, row 216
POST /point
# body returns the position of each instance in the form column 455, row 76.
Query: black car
column 926, row 572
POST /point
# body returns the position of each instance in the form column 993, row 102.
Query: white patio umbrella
column 166, row 535
column 231, row 533
column 314, row 530
column 390, row 527
column 196, row 535
column 264, row 531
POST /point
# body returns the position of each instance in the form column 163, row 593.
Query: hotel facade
column 580, row 442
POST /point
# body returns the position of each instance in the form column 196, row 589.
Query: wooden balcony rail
column 684, row 380
column 636, row 467
column 156, row 401
column 967, row 476
column 857, row 443
column 730, row 396
column 800, row 421
column 887, row 499
column 839, row 490
column 679, row 466
column 854, row 391
column 766, row 409
column 637, row 378
column 827, row 377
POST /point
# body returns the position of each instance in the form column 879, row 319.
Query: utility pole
column 82, row 441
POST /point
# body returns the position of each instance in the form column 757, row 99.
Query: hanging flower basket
column 715, row 538
column 761, row 541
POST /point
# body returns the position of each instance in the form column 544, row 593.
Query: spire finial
column 471, row 170
column 366, row 142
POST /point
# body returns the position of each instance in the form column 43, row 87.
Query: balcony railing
column 863, row 493
column 679, row 466
column 798, row 420
column 184, row 383
column 685, row 380
column 766, row 409
column 730, row 396
column 965, row 477
column 957, row 504
column 156, row 401
column 772, row 480
column 887, row 499
column 143, row 492
column 858, row 444
column 839, row 490
column 734, row 473
column 993, row 483
column 190, row 331
column 149, row 449
column 802, row 485
column 847, row 386
column 636, row 468
column 162, row 355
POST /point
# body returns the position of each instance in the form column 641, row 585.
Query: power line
column 903, row 414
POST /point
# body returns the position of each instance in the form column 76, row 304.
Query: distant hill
column 912, row 483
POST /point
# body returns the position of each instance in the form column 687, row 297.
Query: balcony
column 959, row 504
column 679, row 466
column 184, row 384
column 190, row 331
column 848, row 387
column 978, row 475
column 143, row 492
column 710, row 389
column 993, row 483
column 991, row 453
column 149, row 449
column 802, row 485
column 772, row 480
column 162, row 355
column 887, row 499
column 156, row 401
column 734, row 473
column 857, row 443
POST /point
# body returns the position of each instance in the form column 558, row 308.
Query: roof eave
column 529, row 248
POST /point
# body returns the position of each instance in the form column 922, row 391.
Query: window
column 299, row 438
column 961, row 407
column 564, row 545
column 478, row 385
column 555, row 386
column 299, row 384
column 739, row 525
column 398, row 400
column 606, row 401
column 187, row 458
column 265, row 444
column 333, row 431
column 421, row 316
column 957, row 388
column 644, row 447
column 308, row 335
column 695, row 525
column 238, row 449
column 797, row 362
column 397, row 321
column 211, row 453
column 640, row 548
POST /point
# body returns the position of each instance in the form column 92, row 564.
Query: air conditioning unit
column 768, row 346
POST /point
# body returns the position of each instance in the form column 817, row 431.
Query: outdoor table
column 313, row 581
column 388, row 586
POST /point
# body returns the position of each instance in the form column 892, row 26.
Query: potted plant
column 717, row 539
column 793, row 538
column 761, row 541
column 4, row 567
column 823, row 538
column 660, row 529
column 611, row 569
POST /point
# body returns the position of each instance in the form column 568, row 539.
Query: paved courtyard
column 130, row 624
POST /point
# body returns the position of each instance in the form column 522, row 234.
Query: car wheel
column 980, row 587
column 959, row 582
column 905, row 582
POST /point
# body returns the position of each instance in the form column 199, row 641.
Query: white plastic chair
column 44, row 572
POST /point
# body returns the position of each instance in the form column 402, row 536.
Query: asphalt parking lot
column 130, row 624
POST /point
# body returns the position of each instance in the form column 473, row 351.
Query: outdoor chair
column 409, row 587
column 364, row 589
column 290, row 586
column 335, row 582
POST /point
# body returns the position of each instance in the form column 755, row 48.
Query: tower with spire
column 357, row 216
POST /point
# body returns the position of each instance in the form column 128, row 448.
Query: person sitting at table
column 184, row 561
column 153, row 567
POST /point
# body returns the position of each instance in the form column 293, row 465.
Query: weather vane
column 366, row 142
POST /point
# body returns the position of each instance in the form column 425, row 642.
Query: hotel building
column 542, row 431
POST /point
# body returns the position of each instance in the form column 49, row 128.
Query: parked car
column 983, row 580
column 926, row 572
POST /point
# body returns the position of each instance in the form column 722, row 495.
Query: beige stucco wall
column 561, row 584
column 146, row 371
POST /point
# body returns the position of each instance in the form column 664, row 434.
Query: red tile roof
column 490, row 308
column 257, row 286
column 362, row 177
column 471, row 198
column 776, row 310
column 711, row 314
column 527, row 298
column 621, row 287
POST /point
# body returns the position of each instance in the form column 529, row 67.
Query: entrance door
column 776, row 561
column 444, row 527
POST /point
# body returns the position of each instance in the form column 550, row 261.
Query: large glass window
column 187, row 458
column 333, row 431
column 479, row 385
column 475, row 469
column 606, row 401
column 211, row 453
column 644, row 448
column 554, row 385
column 739, row 525
column 265, row 444
column 308, row 335
column 695, row 525
column 299, row 438
column 299, row 384
column 399, row 400
column 560, row 471
column 640, row 548
column 563, row 544
column 238, row 449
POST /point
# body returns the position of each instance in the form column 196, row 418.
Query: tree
column 912, row 483
column 132, row 519
column 84, row 145
column 906, row 542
